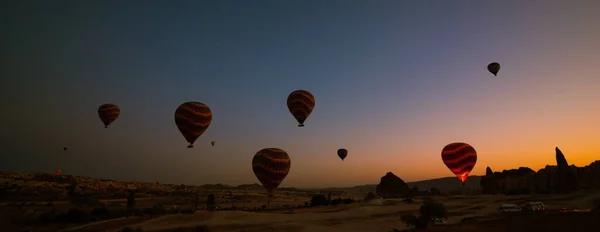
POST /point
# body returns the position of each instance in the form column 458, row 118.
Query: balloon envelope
column 271, row 166
column 342, row 153
column 494, row 68
column 301, row 103
column 460, row 158
column 108, row 113
column 192, row 120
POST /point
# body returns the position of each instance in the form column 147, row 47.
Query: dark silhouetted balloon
column 342, row 153
column 192, row 119
column 301, row 103
column 271, row 166
column 212, row 143
column 494, row 68
column 108, row 113
column 460, row 158
column 64, row 148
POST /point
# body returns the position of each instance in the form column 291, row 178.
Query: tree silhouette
column 210, row 202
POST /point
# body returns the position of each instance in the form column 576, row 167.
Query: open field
column 371, row 216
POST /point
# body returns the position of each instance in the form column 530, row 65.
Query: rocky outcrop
column 392, row 186
column 561, row 178
column 488, row 183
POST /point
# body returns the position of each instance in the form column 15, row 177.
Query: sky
column 394, row 82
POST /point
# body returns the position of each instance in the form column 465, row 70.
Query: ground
column 369, row 216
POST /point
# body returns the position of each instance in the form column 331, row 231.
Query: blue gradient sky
column 394, row 81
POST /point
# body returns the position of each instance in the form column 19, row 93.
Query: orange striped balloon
column 301, row 103
column 108, row 113
column 192, row 119
column 271, row 166
column 460, row 158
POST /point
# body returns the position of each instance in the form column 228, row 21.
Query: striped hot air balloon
column 460, row 158
column 271, row 166
column 342, row 153
column 192, row 119
column 108, row 113
column 301, row 103
column 493, row 68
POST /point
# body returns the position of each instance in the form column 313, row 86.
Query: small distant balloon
column 64, row 148
column 493, row 68
column 57, row 172
column 460, row 158
column 271, row 166
column 192, row 120
column 301, row 103
column 108, row 113
column 342, row 153
column 212, row 143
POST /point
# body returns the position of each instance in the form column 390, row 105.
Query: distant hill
column 446, row 184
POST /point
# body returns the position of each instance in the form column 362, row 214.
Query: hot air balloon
column 57, row 172
column 192, row 119
column 64, row 148
column 460, row 158
column 271, row 166
column 342, row 153
column 212, row 143
column 493, row 68
column 301, row 103
column 108, row 113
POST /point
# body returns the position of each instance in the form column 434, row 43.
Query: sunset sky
column 394, row 82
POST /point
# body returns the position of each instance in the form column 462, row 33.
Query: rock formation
column 392, row 186
column 561, row 178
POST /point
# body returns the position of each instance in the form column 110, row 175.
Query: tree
column 210, row 202
column 195, row 202
column 73, row 188
column 370, row 196
column 131, row 200
column 318, row 199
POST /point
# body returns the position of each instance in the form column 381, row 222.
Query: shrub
column 129, row 229
column 46, row 218
column 422, row 222
column 348, row 201
column 156, row 210
column 202, row 228
column 409, row 219
column 188, row 211
column 74, row 216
